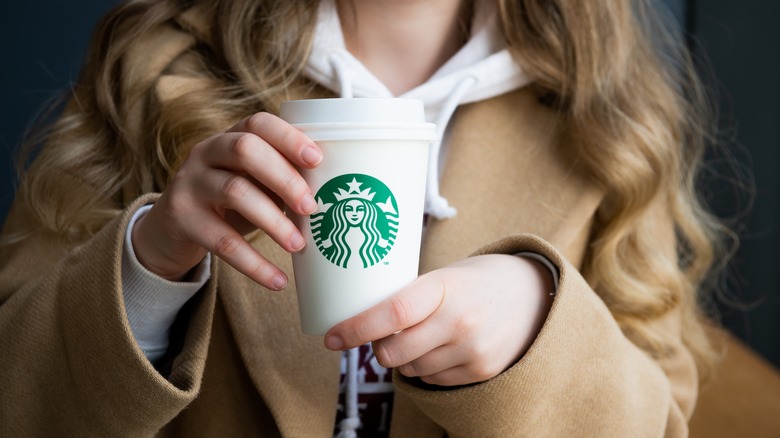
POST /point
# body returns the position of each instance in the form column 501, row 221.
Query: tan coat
column 69, row 365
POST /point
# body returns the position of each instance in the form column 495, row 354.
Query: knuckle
column 227, row 244
column 197, row 150
column 482, row 370
column 407, row 369
column 176, row 204
column 481, row 365
column 264, row 271
column 257, row 122
column 435, row 380
column 291, row 181
column 183, row 177
column 481, row 350
column 176, row 207
column 281, row 225
column 465, row 324
column 401, row 311
column 242, row 146
column 386, row 354
column 362, row 332
column 289, row 137
column 235, row 187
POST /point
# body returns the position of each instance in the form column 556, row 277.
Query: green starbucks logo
column 356, row 221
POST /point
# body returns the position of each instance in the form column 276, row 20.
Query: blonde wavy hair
column 634, row 109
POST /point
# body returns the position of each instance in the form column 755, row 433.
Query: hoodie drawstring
column 345, row 86
column 435, row 204
column 349, row 425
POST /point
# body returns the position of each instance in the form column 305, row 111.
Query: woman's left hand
column 461, row 324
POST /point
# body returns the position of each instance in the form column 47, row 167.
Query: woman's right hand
column 230, row 185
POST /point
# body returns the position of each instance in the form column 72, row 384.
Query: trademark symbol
column 386, row 263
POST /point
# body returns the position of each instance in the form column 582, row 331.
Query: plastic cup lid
column 356, row 110
column 332, row 119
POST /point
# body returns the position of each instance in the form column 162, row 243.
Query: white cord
column 349, row 425
column 435, row 204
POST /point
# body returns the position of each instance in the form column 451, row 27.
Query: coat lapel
column 507, row 172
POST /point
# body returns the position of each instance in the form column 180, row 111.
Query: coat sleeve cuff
column 580, row 370
column 105, row 360
column 151, row 301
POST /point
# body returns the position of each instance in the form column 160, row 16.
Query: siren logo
column 356, row 221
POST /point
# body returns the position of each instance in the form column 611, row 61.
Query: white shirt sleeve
column 152, row 302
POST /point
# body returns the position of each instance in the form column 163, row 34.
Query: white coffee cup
column 363, row 243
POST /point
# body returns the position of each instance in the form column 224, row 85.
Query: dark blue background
column 43, row 43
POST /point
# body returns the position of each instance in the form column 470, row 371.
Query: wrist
column 546, row 278
column 149, row 245
column 541, row 285
column 552, row 270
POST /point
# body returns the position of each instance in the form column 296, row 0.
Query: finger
column 404, row 309
column 227, row 244
column 454, row 376
column 285, row 138
column 410, row 344
column 234, row 192
column 243, row 152
column 453, row 365
column 435, row 361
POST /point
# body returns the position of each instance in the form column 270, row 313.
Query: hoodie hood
column 484, row 57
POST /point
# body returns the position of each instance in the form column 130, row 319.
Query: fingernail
column 333, row 342
column 280, row 281
column 297, row 242
column 308, row 204
column 311, row 156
